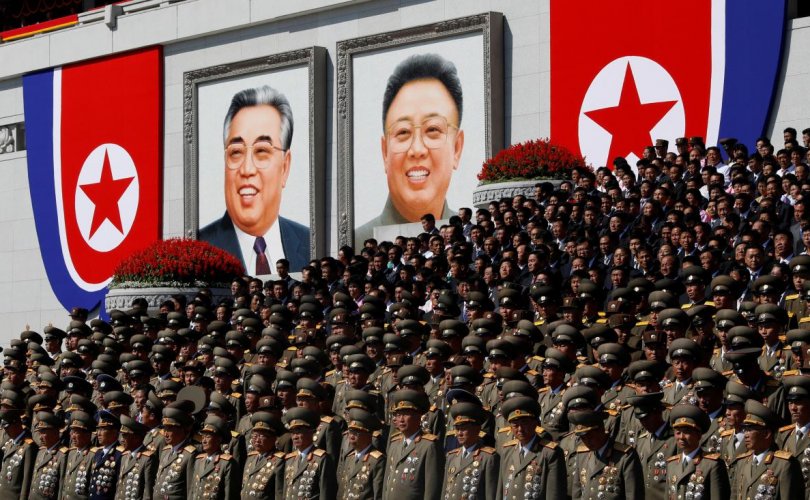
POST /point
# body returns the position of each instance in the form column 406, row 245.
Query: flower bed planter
column 121, row 298
column 483, row 194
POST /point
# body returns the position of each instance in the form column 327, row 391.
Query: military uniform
column 361, row 479
column 214, row 476
column 136, row 475
column 540, row 473
column 104, row 469
column 49, row 466
column 263, row 476
column 778, row 476
column 17, row 466
column 473, row 476
column 76, row 477
column 617, row 474
column 173, row 472
column 703, row 474
column 313, row 477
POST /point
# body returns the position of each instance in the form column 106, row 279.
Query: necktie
column 262, row 265
column 799, row 435
column 522, row 453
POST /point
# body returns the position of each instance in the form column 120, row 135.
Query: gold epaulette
column 291, row 348
column 538, row 358
column 279, row 454
column 252, row 453
column 327, row 419
column 601, row 321
column 582, row 449
column 432, row 408
column 318, row 452
column 396, row 438
column 711, row 456
column 290, row 455
column 792, row 296
column 454, row 452
column 805, row 319
column 622, row 447
column 673, row 458
column 543, row 389
column 376, row 454
column 148, row 453
column 488, row 450
column 549, row 444
column 234, row 434
column 784, row 455
column 28, row 441
column 430, row 437
column 787, row 428
column 190, row 449
column 489, row 375
column 511, row 443
column 201, row 456
column 686, row 306
column 744, row 455
column 330, row 372
column 642, row 323
column 726, row 433
column 709, row 303
column 503, row 429
column 226, row 456
column 236, row 395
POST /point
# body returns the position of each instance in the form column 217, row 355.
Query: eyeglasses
column 433, row 135
column 262, row 152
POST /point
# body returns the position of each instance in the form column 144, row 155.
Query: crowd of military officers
column 500, row 358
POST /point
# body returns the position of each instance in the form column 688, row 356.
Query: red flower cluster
column 531, row 160
column 178, row 262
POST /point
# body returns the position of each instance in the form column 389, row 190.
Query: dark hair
column 423, row 66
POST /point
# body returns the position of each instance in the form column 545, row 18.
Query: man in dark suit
column 258, row 134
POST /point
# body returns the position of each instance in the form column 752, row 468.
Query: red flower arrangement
column 177, row 262
column 531, row 160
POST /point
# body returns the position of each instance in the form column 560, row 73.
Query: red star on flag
column 631, row 121
column 105, row 195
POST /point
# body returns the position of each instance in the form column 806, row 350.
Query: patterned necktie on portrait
column 262, row 264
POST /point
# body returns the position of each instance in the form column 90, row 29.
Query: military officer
column 362, row 468
column 691, row 472
column 771, row 322
column 684, row 354
column 532, row 466
column 795, row 438
column 415, row 459
column 733, row 437
column 748, row 373
column 308, row 471
column 214, row 474
column 177, row 456
column 555, row 368
column 107, row 457
column 18, row 452
column 152, row 417
column 763, row 470
column 472, row 469
column 709, row 387
column 327, row 435
column 654, row 442
column 603, row 468
column 50, row 461
column 263, row 477
column 138, row 463
column 79, row 457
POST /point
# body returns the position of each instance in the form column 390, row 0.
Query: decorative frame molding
column 314, row 58
column 490, row 24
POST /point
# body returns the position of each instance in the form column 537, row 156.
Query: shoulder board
column 686, row 306
column 252, row 453
column 744, row 455
column 28, row 441
column 784, row 455
column 787, row 428
column 549, row 444
column 668, row 384
column 543, row 389
column 176, row 379
column 120, row 448
column 432, row 408
column 601, row 314
column 488, row 450
column 581, row 449
column 376, row 454
column 728, row 373
column 539, row 322
column 788, row 373
column 189, row 448
column 396, row 438
column 95, row 448
column 612, row 413
column 503, row 429
column 226, row 456
column 290, row 455
column 278, row 454
column 538, row 358
column 234, row 434
column 451, row 433
column 711, row 456
column 327, row 419
column 621, row 447
column 375, row 433
column 709, row 303
column 773, row 383
column 510, row 443
column 430, row 437
column 805, row 319
column 792, row 296
column 291, row 348
column 330, row 372
column 318, row 452
column 236, row 395
column 601, row 321
column 673, row 458
column 64, row 449
column 642, row 323
column 454, row 452
column 201, row 456
column 149, row 453
column 532, row 372
column 727, row 432
column 489, row 375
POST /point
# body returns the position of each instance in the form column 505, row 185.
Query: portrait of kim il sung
column 422, row 115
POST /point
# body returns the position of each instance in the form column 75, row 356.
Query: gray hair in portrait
column 258, row 96
column 423, row 66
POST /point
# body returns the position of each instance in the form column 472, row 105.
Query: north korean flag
column 626, row 73
column 94, row 161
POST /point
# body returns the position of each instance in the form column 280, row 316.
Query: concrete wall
column 201, row 33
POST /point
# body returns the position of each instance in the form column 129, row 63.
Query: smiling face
column 253, row 194
column 418, row 178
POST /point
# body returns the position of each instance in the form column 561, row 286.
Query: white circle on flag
column 653, row 84
column 107, row 236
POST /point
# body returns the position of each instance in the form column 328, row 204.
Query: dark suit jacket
column 294, row 238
